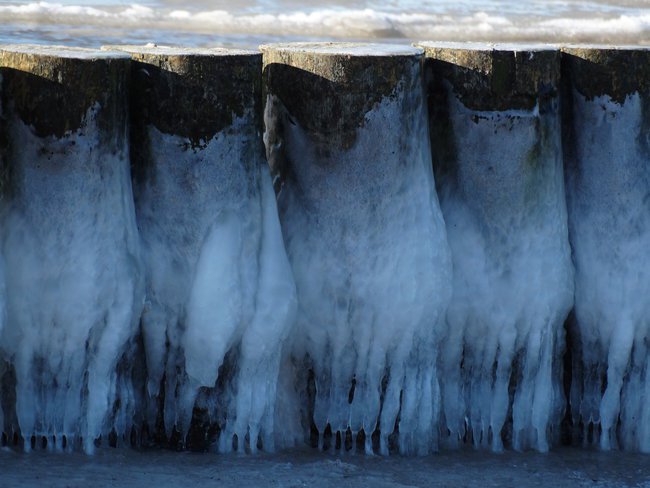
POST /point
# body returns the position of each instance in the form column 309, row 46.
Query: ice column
column 495, row 137
column 607, row 157
column 348, row 146
column 3, row 316
column 3, row 196
column 220, row 295
column 69, row 240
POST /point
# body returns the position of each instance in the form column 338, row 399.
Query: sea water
column 250, row 22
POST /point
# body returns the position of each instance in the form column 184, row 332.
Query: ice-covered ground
column 565, row 467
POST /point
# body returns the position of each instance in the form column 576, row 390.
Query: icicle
column 74, row 291
column 347, row 137
column 495, row 128
column 608, row 180
column 220, row 295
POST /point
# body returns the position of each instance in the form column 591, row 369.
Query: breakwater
column 454, row 253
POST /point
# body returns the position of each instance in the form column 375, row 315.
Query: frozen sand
column 128, row 468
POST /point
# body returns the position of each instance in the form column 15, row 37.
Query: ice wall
column 495, row 128
column 347, row 140
column 220, row 294
column 383, row 309
column 608, row 179
column 74, row 288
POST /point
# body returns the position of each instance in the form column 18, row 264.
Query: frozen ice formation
column 392, row 282
column 608, row 179
column 220, row 294
column 3, row 316
column 348, row 143
column 72, row 264
column 498, row 161
column 3, row 175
